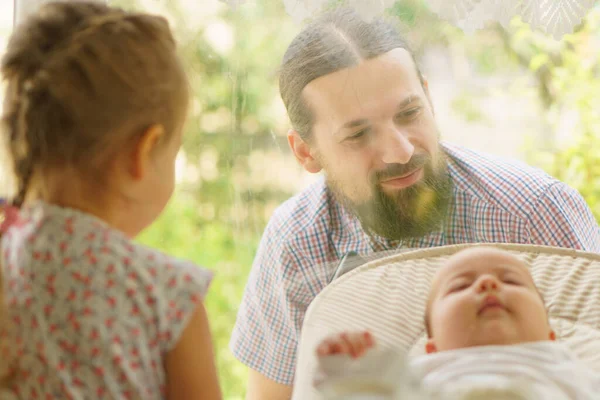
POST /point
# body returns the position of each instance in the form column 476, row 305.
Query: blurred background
column 514, row 93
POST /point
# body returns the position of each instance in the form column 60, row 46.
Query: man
column 361, row 112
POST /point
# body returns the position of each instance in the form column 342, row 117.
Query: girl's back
column 92, row 314
column 93, row 117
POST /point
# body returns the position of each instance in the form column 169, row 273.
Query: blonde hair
column 84, row 80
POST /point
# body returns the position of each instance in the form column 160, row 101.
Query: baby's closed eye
column 512, row 281
column 459, row 286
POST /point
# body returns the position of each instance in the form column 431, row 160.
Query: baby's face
column 485, row 296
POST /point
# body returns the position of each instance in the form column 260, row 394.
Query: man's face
column 375, row 136
column 485, row 297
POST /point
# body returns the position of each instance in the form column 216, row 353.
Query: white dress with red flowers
column 90, row 313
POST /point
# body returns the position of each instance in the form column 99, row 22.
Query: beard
column 407, row 213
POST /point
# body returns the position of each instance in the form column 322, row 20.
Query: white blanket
column 541, row 370
column 534, row 371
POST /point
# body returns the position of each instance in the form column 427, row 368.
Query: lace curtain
column 554, row 17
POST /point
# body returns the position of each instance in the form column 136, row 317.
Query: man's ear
column 303, row 152
column 552, row 335
column 142, row 153
column 430, row 346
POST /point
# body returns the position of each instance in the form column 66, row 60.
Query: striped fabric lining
column 388, row 297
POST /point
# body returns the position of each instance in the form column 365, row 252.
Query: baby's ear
column 552, row 335
column 430, row 347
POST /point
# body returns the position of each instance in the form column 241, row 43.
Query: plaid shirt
column 495, row 201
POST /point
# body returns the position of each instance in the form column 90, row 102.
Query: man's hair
column 337, row 40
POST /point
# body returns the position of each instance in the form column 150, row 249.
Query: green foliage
column 570, row 78
column 465, row 104
column 180, row 232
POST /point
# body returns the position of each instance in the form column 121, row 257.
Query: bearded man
column 361, row 113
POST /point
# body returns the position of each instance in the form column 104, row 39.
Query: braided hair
column 83, row 80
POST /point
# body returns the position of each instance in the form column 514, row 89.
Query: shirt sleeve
column 269, row 320
column 561, row 218
column 185, row 286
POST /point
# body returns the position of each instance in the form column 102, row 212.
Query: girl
column 94, row 107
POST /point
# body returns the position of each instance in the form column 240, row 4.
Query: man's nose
column 395, row 147
column 487, row 283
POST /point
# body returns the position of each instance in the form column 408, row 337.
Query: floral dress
column 89, row 313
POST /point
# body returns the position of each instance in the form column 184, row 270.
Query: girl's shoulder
column 69, row 239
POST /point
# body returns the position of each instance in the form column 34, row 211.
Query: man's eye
column 358, row 135
column 408, row 114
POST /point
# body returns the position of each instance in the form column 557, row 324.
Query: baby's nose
column 488, row 283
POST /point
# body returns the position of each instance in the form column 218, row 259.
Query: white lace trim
column 554, row 17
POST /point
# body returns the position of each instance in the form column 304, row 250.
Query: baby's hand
column 354, row 344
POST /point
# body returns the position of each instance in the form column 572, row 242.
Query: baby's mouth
column 491, row 303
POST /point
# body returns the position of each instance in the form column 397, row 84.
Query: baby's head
column 95, row 101
column 484, row 296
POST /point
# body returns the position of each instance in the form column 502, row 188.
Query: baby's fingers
column 330, row 347
column 353, row 344
column 324, row 348
column 368, row 340
column 356, row 342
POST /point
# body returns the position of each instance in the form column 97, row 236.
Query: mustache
column 394, row 170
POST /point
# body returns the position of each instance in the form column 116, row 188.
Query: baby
column 487, row 328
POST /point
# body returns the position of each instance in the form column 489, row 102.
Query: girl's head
column 93, row 112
